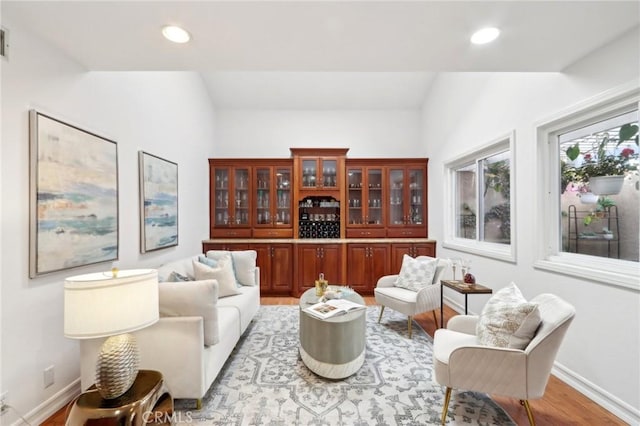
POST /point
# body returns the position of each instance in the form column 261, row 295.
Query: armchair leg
column 435, row 319
column 527, row 407
column 410, row 321
column 381, row 311
column 447, row 397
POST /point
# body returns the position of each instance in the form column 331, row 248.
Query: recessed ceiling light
column 485, row 35
column 175, row 34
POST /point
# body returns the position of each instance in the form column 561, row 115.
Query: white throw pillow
column 244, row 264
column 223, row 273
column 192, row 298
column 508, row 320
column 416, row 273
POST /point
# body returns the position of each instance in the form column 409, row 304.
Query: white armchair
column 410, row 302
column 461, row 363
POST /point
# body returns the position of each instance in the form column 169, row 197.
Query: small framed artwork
column 158, row 202
column 73, row 196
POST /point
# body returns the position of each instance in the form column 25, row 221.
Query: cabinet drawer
column 273, row 233
column 406, row 232
column 366, row 233
column 230, row 233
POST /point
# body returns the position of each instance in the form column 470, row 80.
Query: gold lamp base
column 117, row 366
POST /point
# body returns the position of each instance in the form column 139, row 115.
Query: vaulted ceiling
column 324, row 54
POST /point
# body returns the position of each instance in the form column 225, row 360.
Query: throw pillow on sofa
column 176, row 277
column 508, row 320
column 207, row 261
column 223, row 273
column 244, row 264
column 192, row 298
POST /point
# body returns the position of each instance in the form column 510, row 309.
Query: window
column 480, row 208
column 600, row 221
column 591, row 231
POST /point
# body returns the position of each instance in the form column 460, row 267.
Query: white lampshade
column 101, row 305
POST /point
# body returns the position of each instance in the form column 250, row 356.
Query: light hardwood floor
column 561, row 404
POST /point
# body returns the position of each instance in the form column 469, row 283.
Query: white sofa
column 175, row 345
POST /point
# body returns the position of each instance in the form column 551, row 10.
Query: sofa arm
column 387, row 281
column 173, row 345
column 463, row 324
column 497, row 365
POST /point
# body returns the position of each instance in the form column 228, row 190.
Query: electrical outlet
column 49, row 377
column 3, row 402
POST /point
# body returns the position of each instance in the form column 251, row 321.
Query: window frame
column 548, row 251
column 505, row 252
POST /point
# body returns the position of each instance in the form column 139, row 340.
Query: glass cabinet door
column 397, row 215
column 263, row 196
column 355, row 196
column 221, row 197
column 329, row 177
column 417, row 197
column 241, row 196
column 283, row 196
column 374, row 197
column 309, row 171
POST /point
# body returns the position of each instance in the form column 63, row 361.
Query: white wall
column 166, row 114
column 270, row 133
column 601, row 350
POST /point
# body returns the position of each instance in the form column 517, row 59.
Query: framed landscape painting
column 73, row 196
column 158, row 202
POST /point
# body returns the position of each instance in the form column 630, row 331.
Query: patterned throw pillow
column 508, row 320
column 416, row 273
column 175, row 277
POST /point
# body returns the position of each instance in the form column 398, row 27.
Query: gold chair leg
column 410, row 321
column 381, row 311
column 447, row 397
column 527, row 407
column 199, row 404
column 435, row 318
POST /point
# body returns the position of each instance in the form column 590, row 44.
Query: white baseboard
column 49, row 407
column 598, row 395
column 615, row 405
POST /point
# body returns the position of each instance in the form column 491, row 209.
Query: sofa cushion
column 192, row 298
column 508, row 320
column 416, row 273
column 244, row 264
column 223, row 273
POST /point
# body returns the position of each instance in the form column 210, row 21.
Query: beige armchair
column 461, row 363
column 410, row 302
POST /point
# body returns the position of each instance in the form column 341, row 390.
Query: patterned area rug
column 264, row 382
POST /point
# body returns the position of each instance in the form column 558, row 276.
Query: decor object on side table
column 73, row 196
column 112, row 304
column 158, row 202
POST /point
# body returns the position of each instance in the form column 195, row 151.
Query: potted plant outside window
column 604, row 166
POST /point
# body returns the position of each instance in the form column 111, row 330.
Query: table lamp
column 112, row 304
